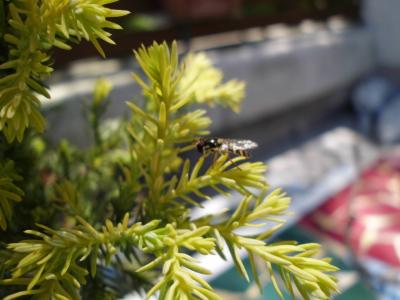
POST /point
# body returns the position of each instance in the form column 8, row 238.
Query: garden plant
column 100, row 222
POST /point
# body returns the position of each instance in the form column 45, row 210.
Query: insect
column 221, row 146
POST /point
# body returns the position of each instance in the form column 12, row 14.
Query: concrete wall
column 280, row 73
column 289, row 71
column 382, row 20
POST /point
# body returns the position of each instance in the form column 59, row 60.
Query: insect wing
column 240, row 144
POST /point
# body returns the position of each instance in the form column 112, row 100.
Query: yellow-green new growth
column 169, row 89
column 165, row 188
column 34, row 27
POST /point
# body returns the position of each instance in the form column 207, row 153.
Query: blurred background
column 323, row 103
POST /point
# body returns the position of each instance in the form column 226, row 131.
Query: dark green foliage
column 9, row 192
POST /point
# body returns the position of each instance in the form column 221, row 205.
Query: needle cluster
column 146, row 229
column 30, row 28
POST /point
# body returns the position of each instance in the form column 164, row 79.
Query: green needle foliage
column 33, row 27
column 205, row 84
column 9, row 192
column 127, row 202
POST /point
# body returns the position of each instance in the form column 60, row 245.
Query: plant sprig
column 175, row 195
column 34, row 27
column 159, row 187
column 52, row 263
column 294, row 262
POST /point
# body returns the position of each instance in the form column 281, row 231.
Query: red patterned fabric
column 366, row 214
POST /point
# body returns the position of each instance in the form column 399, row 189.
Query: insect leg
column 215, row 157
column 232, row 162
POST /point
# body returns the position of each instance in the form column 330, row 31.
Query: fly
column 225, row 146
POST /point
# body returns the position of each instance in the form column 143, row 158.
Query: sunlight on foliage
column 133, row 207
column 51, row 264
column 34, row 28
column 204, row 83
column 293, row 262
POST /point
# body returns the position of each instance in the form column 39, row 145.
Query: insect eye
column 200, row 147
column 213, row 142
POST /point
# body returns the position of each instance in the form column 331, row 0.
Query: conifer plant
column 117, row 216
